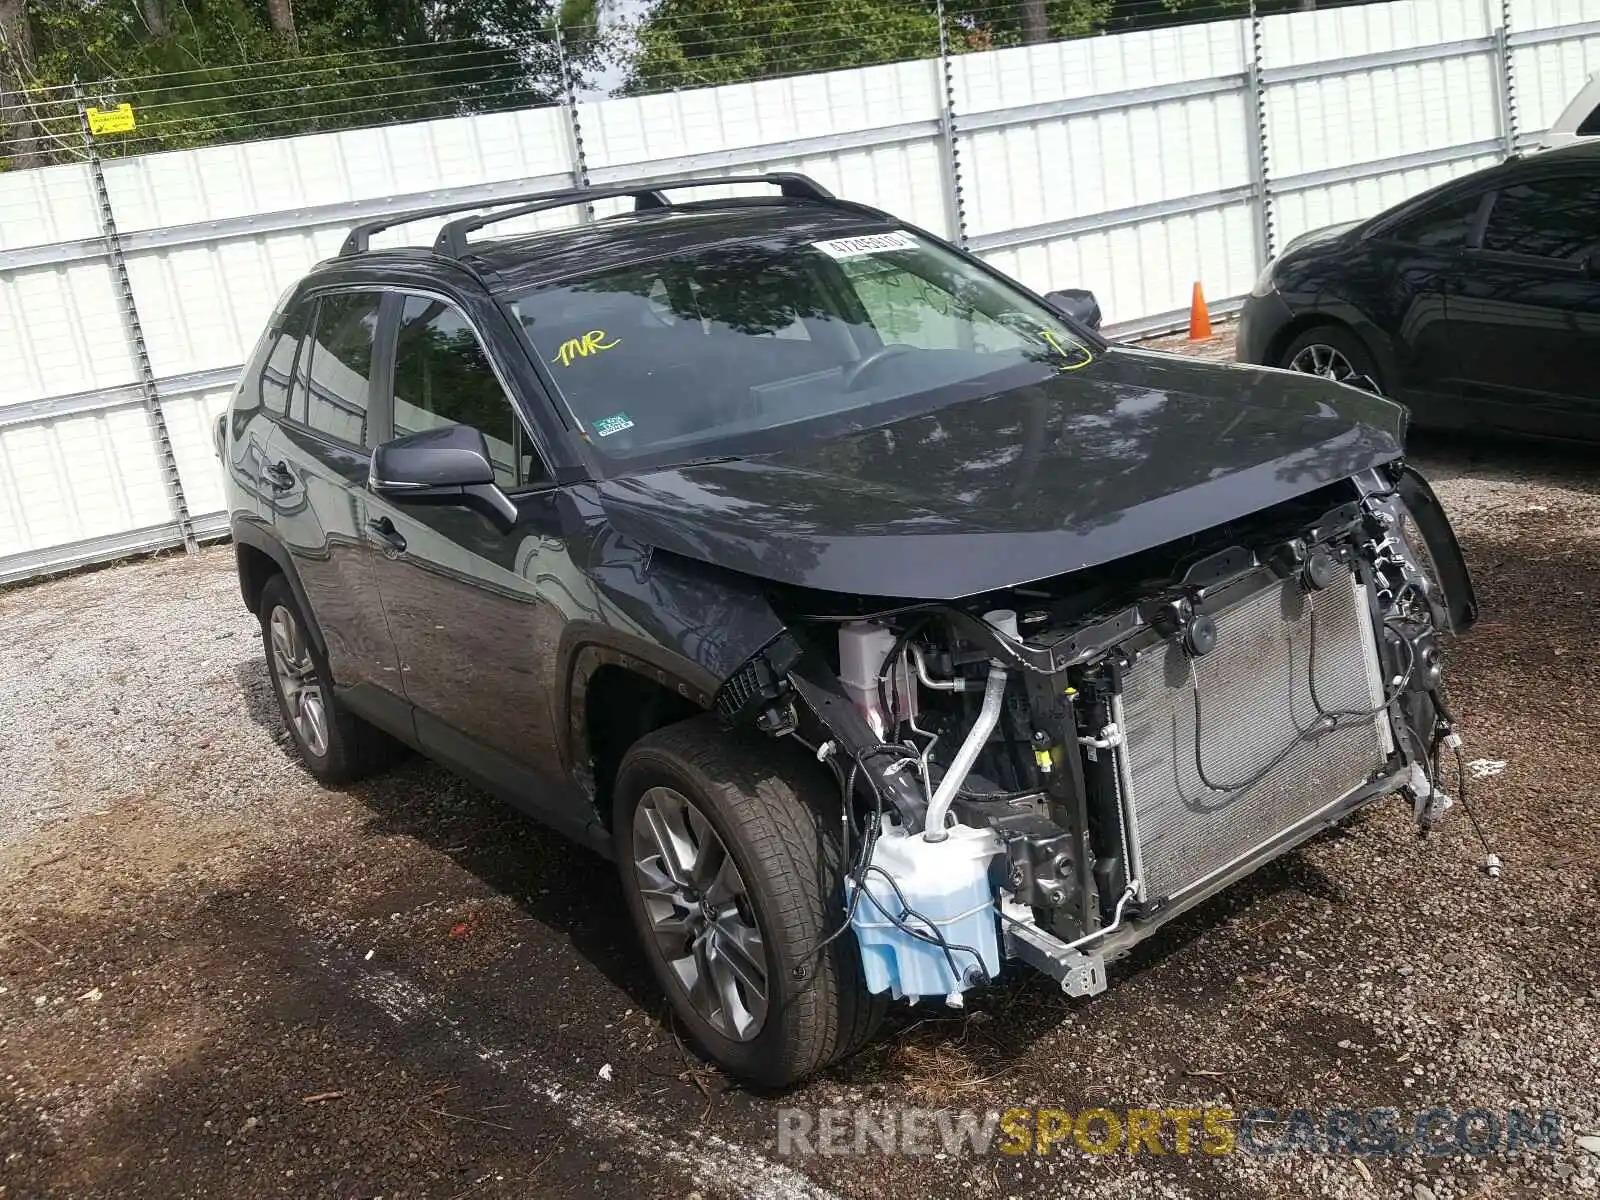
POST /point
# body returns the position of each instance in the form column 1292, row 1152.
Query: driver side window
column 443, row 376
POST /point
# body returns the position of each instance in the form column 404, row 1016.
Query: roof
column 1583, row 150
column 657, row 227
column 679, row 231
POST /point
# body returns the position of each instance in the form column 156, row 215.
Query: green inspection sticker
column 615, row 423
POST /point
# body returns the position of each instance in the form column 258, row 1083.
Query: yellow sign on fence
column 111, row 120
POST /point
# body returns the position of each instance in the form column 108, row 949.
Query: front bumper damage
column 1120, row 826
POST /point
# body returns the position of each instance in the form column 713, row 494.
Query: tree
column 203, row 71
column 691, row 43
column 281, row 14
column 1035, row 22
column 18, row 132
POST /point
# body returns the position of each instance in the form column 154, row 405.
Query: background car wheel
column 1333, row 352
column 335, row 745
column 733, row 870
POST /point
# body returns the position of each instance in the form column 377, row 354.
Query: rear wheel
column 733, row 870
column 336, row 745
column 1333, row 352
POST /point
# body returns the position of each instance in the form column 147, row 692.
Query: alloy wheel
column 700, row 913
column 296, row 675
column 1319, row 359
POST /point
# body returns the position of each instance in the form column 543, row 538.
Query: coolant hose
column 994, row 695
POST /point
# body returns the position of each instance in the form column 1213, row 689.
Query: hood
column 1134, row 450
column 1317, row 237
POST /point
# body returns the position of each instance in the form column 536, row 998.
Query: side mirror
column 1077, row 304
column 450, row 465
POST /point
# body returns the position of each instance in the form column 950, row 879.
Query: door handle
column 383, row 529
column 279, row 476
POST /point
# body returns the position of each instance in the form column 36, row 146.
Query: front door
column 1524, row 313
column 477, row 614
column 314, row 473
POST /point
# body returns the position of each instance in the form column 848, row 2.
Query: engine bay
column 1050, row 772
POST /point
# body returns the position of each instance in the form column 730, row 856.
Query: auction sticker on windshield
column 867, row 243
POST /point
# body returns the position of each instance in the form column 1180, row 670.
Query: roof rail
column 359, row 238
column 646, row 194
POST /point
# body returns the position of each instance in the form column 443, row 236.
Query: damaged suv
column 878, row 618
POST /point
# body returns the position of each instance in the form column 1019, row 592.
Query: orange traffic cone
column 1199, row 318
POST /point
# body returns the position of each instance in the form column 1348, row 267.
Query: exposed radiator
column 1255, row 700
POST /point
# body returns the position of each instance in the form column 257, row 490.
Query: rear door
column 314, row 478
column 1524, row 313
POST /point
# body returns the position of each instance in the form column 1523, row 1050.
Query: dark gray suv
column 882, row 621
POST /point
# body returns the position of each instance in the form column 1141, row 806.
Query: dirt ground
column 219, row 979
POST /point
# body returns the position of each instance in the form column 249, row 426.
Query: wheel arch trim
column 259, row 537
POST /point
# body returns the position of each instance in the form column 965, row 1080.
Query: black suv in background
column 878, row 618
column 1477, row 303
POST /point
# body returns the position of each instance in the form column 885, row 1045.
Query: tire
column 776, row 815
column 347, row 748
column 1330, row 344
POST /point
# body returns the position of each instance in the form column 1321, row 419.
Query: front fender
column 684, row 625
column 1461, row 599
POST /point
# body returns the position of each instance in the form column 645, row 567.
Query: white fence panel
column 47, row 205
column 295, row 175
column 870, row 134
column 205, row 289
column 1054, row 137
column 1128, row 164
column 1387, row 112
column 60, row 332
column 1296, row 39
column 1305, row 209
column 1550, row 73
column 75, row 478
column 1415, row 101
column 190, row 420
column 1145, row 269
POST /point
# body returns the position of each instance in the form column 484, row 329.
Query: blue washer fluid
column 948, row 883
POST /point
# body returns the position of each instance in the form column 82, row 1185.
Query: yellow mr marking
column 590, row 343
column 1065, row 353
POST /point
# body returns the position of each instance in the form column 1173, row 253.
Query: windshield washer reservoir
column 947, row 885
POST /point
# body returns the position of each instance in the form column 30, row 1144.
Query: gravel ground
column 217, row 978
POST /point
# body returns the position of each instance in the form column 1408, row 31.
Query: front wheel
column 733, row 869
column 1333, row 352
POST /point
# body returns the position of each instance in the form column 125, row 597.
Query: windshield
column 671, row 358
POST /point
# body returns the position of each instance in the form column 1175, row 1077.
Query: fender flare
column 259, row 536
column 587, row 646
column 1461, row 599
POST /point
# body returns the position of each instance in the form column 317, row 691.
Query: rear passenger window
column 442, row 376
column 1547, row 218
column 277, row 372
column 338, row 382
column 1443, row 227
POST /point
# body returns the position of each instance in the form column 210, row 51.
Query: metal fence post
column 1260, row 158
column 1505, row 59
column 569, row 106
column 954, row 202
column 134, row 331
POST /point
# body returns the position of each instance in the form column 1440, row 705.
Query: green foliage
column 692, row 43
column 203, row 71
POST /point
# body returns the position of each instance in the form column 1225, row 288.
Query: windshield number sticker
column 867, row 243
column 615, row 423
column 582, row 347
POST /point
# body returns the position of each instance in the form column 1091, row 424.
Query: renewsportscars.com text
column 1436, row 1132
